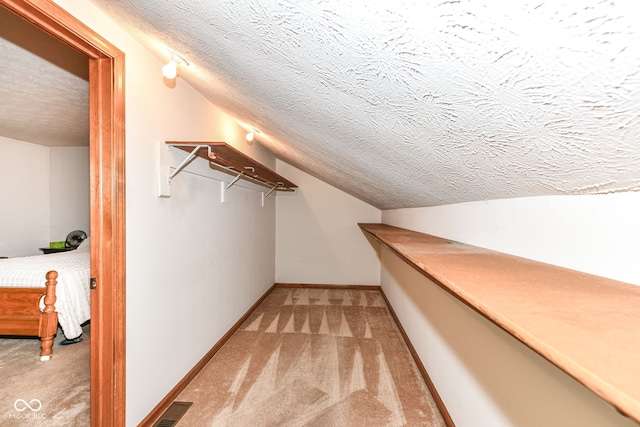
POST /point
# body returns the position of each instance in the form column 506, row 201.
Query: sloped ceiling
column 44, row 87
column 420, row 103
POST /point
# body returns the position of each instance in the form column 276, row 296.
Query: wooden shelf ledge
column 233, row 161
column 586, row 325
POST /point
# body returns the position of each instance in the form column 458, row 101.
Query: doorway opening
column 107, row 201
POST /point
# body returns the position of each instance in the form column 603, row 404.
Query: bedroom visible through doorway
column 107, row 202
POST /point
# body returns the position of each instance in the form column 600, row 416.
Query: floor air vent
column 173, row 414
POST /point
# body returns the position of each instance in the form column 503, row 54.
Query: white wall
column 194, row 265
column 595, row 234
column 69, row 191
column 486, row 377
column 45, row 195
column 24, row 211
column 318, row 239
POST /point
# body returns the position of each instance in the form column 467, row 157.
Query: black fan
column 75, row 238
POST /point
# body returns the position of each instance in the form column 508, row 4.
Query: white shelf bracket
column 264, row 196
column 187, row 160
column 223, row 192
column 164, row 186
column 235, row 180
column 224, row 187
column 279, row 184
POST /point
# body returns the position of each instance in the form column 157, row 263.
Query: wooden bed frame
column 20, row 313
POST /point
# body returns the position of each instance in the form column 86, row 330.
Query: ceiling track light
column 252, row 134
column 170, row 70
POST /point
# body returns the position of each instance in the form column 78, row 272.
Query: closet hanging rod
column 218, row 180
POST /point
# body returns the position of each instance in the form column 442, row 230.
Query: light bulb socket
column 170, row 70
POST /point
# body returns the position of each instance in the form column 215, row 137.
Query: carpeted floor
column 313, row 357
column 56, row 391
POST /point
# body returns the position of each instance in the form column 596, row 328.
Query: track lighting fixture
column 251, row 134
column 170, row 70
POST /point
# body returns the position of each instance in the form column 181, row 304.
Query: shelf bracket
column 264, row 196
column 278, row 184
column 225, row 187
column 186, row 161
column 235, row 180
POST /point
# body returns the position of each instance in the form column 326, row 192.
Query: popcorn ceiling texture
column 414, row 103
column 44, row 88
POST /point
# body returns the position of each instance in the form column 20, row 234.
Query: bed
column 39, row 292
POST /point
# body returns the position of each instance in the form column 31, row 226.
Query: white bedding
column 73, row 302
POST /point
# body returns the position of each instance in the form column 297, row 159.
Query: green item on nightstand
column 56, row 245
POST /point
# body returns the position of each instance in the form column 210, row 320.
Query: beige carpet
column 56, row 392
column 313, row 357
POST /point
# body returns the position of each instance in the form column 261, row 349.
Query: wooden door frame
column 107, row 181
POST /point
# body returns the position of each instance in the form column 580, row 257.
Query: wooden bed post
column 49, row 317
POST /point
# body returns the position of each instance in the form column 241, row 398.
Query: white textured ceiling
column 420, row 103
column 44, row 88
